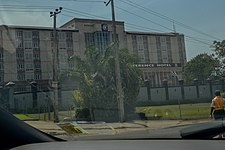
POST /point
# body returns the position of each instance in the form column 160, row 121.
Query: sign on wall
column 157, row 65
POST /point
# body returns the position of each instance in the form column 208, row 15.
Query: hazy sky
column 201, row 21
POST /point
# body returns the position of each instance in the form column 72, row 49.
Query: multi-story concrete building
column 161, row 55
column 97, row 32
column 26, row 54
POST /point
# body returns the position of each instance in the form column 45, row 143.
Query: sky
column 201, row 21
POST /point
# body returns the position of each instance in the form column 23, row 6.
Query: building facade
column 27, row 54
column 161, row 55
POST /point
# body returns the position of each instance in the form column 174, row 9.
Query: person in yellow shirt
column 217, row 106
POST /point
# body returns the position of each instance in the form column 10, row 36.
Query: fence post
column 148, row 85
column 165, row 84
column 181, row 83
column 33, row 85
column 48, row 107
column 210, row 86
column 10, row 86
column 197, row 87
column 222, row 83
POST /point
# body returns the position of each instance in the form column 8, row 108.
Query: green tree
column 219, row 54
column 97, row 85
column 201, row 67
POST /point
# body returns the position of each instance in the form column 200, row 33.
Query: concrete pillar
column 222, row 84
column 210, row 86
column 10, row 87
column 197, row 87
column 148, row 85
column 165, row 85
column 181, row 83
column 33, row 85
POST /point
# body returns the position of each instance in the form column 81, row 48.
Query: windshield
column 78, row 68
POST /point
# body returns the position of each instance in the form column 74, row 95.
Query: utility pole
column 55, row 81
column 120, row 94
column 174, row 27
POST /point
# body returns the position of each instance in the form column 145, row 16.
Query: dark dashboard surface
column 129, row 145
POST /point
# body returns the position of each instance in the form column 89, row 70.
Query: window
column 28, row 45
column 19, row 44
column 1, row 56
column 36, row 56
column 62, row 36
column 140, row 47
column 19, row 34
column 62, row 45
column 69, row 45
column 35, row 44
column 71, row 65
column 29, row 67
column 162, row 39
column 28, row 56
column 19, row 56
column 102, row 40
column 141, row 58
column 163, row 48
column 37, row 66
column 35, row 34
column 89, row 39
column 37, row 76
column 20, row 77
column 1, row 78
column 69, row 36
column 20, row 66
column 139, row 38
column 29, row 77
column 27, row 35
column 1, row 67
column 51, row 35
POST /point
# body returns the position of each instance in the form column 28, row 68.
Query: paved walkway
column 110, row 128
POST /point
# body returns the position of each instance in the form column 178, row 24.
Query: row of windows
column 28, row 56
column 1, row 56
column 27, row 44
column 140, row 47
column 29, row 66
column 22, row 77
column 1, row 78
column 27, row 34
column 1, row 67
column 62, row 35
column 65, row 45
column 100, row 39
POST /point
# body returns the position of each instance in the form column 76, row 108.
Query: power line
column 130, row 24
column 14, row 11
column 142, row 27
column 81, row 12
column 71, row 11
column 81, row 1
column 26, row 7
column 161, row 25
column 198, row 40
column 166, row 18
column 143, row 18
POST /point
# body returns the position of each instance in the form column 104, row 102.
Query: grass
column 185, row 111
column 44, row 116
column 23, row 117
